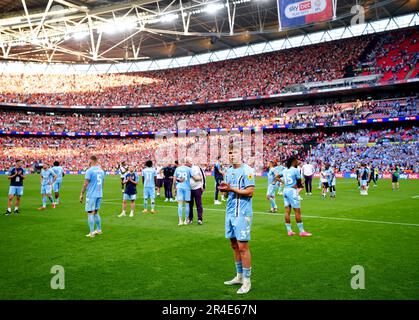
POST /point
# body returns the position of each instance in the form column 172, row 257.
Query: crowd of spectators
column 252, row 75
column 227, row 118
column 395, row 54
column 382, row 149
column 344, row 150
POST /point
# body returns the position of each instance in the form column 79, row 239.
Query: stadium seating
column 396, row 55
column 243, row 77
column 220, row 118
column 344, row 150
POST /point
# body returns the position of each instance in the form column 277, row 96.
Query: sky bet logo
column 305, row 8
column 305, row 5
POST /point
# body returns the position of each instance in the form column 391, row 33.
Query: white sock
column 16, row 208
column 9, row 209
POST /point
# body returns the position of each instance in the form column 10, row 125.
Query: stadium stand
column 345, row 150
column 226, row 118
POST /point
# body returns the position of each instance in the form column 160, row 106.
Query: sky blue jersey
column 330, row 175
column 96, row 177
column 271, row 175
column 364, row 173
column 149, row 174
column 185, row 173
column 47, row 176
column 279, row 169
column 59, row 171
column 290, row 176
column 241, row 178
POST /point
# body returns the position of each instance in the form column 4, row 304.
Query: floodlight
column 213, row 7
column 169, row 17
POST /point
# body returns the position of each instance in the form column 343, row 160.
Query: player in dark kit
column 395, row 178
column 219, row 177
column 168, row 173
column 357, row 176
column 16, row 175
column 373, row 176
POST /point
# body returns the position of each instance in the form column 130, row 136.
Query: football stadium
column 229, row 150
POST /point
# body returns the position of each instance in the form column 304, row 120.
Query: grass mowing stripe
column 305, row 216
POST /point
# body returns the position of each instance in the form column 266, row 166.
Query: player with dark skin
column 297, row 211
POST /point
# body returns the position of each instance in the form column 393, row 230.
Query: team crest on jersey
column 250, row 176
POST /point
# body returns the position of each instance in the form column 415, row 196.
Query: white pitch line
column 415, row 197
column 314, row 217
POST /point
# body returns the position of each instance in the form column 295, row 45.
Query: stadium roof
column 86, row 31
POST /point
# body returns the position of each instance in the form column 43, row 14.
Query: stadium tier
column 345, row 150
column 391, row 55
column 331, row 114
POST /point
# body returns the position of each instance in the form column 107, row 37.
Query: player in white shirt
column 123, row 169
column 160, row 178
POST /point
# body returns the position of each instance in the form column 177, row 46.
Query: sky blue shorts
column 47, row 189
column 291, row 198
column 16, row 191
column 149, row 192
column 131, row 197
column 364, row 183
column 56, row 186
column 92, row 204
column 183, row 194
column 238, row 227
column 271, row 190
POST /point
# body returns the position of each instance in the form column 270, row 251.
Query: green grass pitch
column 150, row 257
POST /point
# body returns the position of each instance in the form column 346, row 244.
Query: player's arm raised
column 135, row 181
column 11, row 176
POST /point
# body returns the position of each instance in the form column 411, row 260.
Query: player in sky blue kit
column 182, row 178
column 93, row 183
column 364, row 176
column 149, row 181
column 16, row 175
column 272, row 185
column 291, row 178
column 240, row 185
column 130, row 183
column 48, row 178
column 59, row 171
